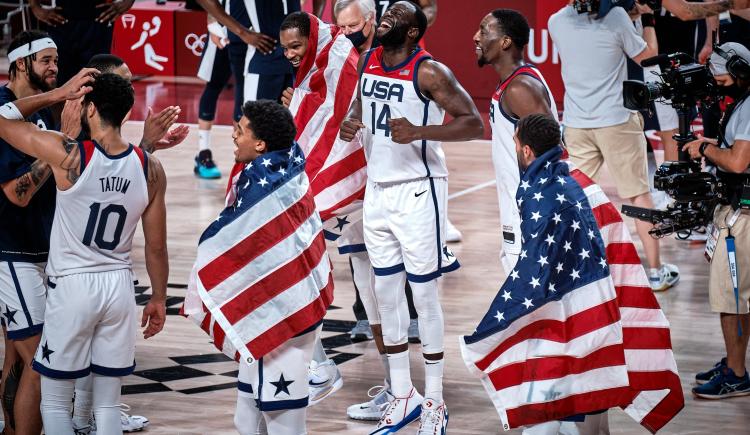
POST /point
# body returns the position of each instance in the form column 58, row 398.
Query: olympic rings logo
column 195, row 43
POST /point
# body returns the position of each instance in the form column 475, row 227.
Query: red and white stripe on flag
column 265, row 276
column 656, row 394
column 325, row 87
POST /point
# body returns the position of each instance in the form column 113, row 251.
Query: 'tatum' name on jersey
column 114, row 184
column 382, row 90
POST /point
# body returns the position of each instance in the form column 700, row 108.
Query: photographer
column 598, row 128
column 729, row 295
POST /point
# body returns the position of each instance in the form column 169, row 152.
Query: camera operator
column 598, row 128
column 729, row 296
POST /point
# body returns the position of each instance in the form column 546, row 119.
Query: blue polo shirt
column 25, row 231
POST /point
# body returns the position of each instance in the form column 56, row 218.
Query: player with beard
column 500, row 42
column 26, row 211
column 402, row 97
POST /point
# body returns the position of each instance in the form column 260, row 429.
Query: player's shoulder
column 6, row 95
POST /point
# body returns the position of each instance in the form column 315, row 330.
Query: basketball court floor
column 185, row 386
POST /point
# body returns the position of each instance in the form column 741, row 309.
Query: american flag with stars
column 552, row 344
column 262, row 274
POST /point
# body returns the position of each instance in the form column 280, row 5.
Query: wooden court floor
column 184, row 386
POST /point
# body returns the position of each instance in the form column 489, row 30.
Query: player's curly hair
column 513, row 24
column 113, row 97
column 539, row 131
column 271, row 122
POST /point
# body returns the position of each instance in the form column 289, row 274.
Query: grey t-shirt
column 594, row 65
column 738, row 127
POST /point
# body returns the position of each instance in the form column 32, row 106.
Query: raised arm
column 154, row 221
column 438, row 83
column 73, row 89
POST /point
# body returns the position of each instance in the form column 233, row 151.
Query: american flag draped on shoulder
column 557, row 340
column 262, row 274
column 325, row 83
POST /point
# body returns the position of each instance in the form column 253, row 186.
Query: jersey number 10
column 97, row 224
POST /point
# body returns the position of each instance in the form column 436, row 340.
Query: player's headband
column 32, row 47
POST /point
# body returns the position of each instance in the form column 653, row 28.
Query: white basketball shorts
column 22, row 298
column 278, row 380
column 404, row 227
column 90, row 326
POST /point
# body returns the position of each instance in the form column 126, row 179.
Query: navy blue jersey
column 25, row 231
column 268, row 15
column 81, row 9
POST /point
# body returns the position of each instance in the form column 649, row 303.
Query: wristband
column 10, row 111
column 702, row 148
column 648, row 20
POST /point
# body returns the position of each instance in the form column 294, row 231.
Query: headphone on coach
column 736, row 66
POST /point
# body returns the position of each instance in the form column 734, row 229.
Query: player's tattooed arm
column 71, row 160
column 438, row 83
column 685, row 10
column 21, row 190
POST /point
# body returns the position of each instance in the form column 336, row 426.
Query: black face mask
column 358, row 38
column 733, row 91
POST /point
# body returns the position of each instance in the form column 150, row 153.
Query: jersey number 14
column 380, row 120
column 97, row 225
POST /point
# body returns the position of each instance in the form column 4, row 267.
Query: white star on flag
column 291, row 152
column 584, row 254
column 560, row 197
column 527, row 303
column 282, row 171
column 568, row 246
column 538, row 196
column 239, row 202
column 523, row 254
column 603, row 262
column 561, row 180
column 519, row 201
column 514, row 275
column 559, row 267
column 297, row 159
column 575, row 274
column 525, row 185
column 536, row 216
column 266, row 163
column 579, row 205
column 576, row 226
column 557, row 218
column 542, row 260
column 534, row 282
column 591, row 234
column 263, row 182
column 550, row 240
column 542, row 180
column 546, row 165
column 506, row 295
column 552, row 288
column 247, row 184
column 534, row 235
column 499, row 316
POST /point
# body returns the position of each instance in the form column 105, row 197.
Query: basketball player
column 26, row 211
column 105, row 186
column 500, row 42
column 402, row 97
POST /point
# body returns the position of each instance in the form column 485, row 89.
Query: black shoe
column 205, row 166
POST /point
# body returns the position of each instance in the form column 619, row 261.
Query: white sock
column 55, row 405
column 400, row 375
column 107, row 404
column 433, row 379
column 386, row 369
column 82, row 404
column 204, row 139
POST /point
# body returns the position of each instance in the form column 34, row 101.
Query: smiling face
column 489, row 40
column 294, row 46
column 43, row 72
column 396, row 24
column 247, row 146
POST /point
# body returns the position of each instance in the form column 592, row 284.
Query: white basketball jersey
column 96, row 218
column 505, row 160
column 394, row 93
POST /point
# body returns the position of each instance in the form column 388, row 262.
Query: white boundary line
column 472, row 189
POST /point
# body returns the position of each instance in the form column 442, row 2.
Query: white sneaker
column 400, row 412
column 664, row 277
column 434, row 418
column 372, row 410
column 323, row 379
column 130, row 423
column 452, row 234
